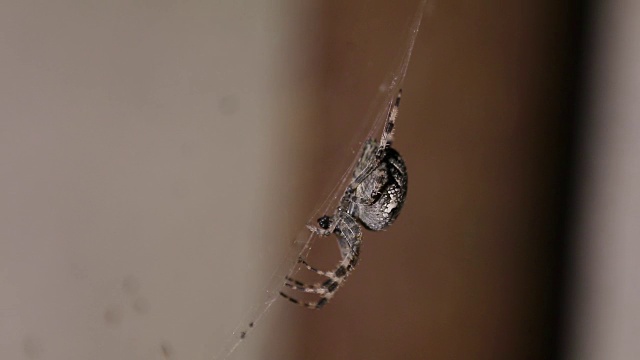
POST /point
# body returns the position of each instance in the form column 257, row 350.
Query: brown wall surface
column 467, row 271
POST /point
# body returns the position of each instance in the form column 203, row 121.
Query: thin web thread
column 303, row 242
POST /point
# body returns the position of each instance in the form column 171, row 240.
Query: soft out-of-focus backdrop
column 150, row 162
column 156, row 158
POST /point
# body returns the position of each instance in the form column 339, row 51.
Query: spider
column 373, row 199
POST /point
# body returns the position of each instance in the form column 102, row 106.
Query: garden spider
column 373, row 199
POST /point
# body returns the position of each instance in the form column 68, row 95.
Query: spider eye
column 324, row 222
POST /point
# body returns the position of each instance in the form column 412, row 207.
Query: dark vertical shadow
column 576, row 49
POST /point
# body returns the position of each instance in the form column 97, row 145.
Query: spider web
column 304, row 240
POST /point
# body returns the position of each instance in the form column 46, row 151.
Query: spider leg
column 325, row 290
column 387, row 133
column 328, row 274
column 385, row 141
column 367, row 200
column 298, row 285
column 349, row 237
column 329, row 286
column 309, row 305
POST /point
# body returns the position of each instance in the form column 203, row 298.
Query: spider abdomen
column 386, row 190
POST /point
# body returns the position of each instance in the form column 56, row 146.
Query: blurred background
column 157, row 159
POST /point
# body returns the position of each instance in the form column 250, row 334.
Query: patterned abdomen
column 383, row 193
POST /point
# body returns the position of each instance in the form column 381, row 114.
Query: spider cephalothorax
column 373, row 199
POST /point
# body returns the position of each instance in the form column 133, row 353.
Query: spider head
column 324, row 222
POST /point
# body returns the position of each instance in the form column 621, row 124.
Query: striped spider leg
column 349, row 237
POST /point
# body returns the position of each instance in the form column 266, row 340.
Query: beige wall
column 146, row 172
